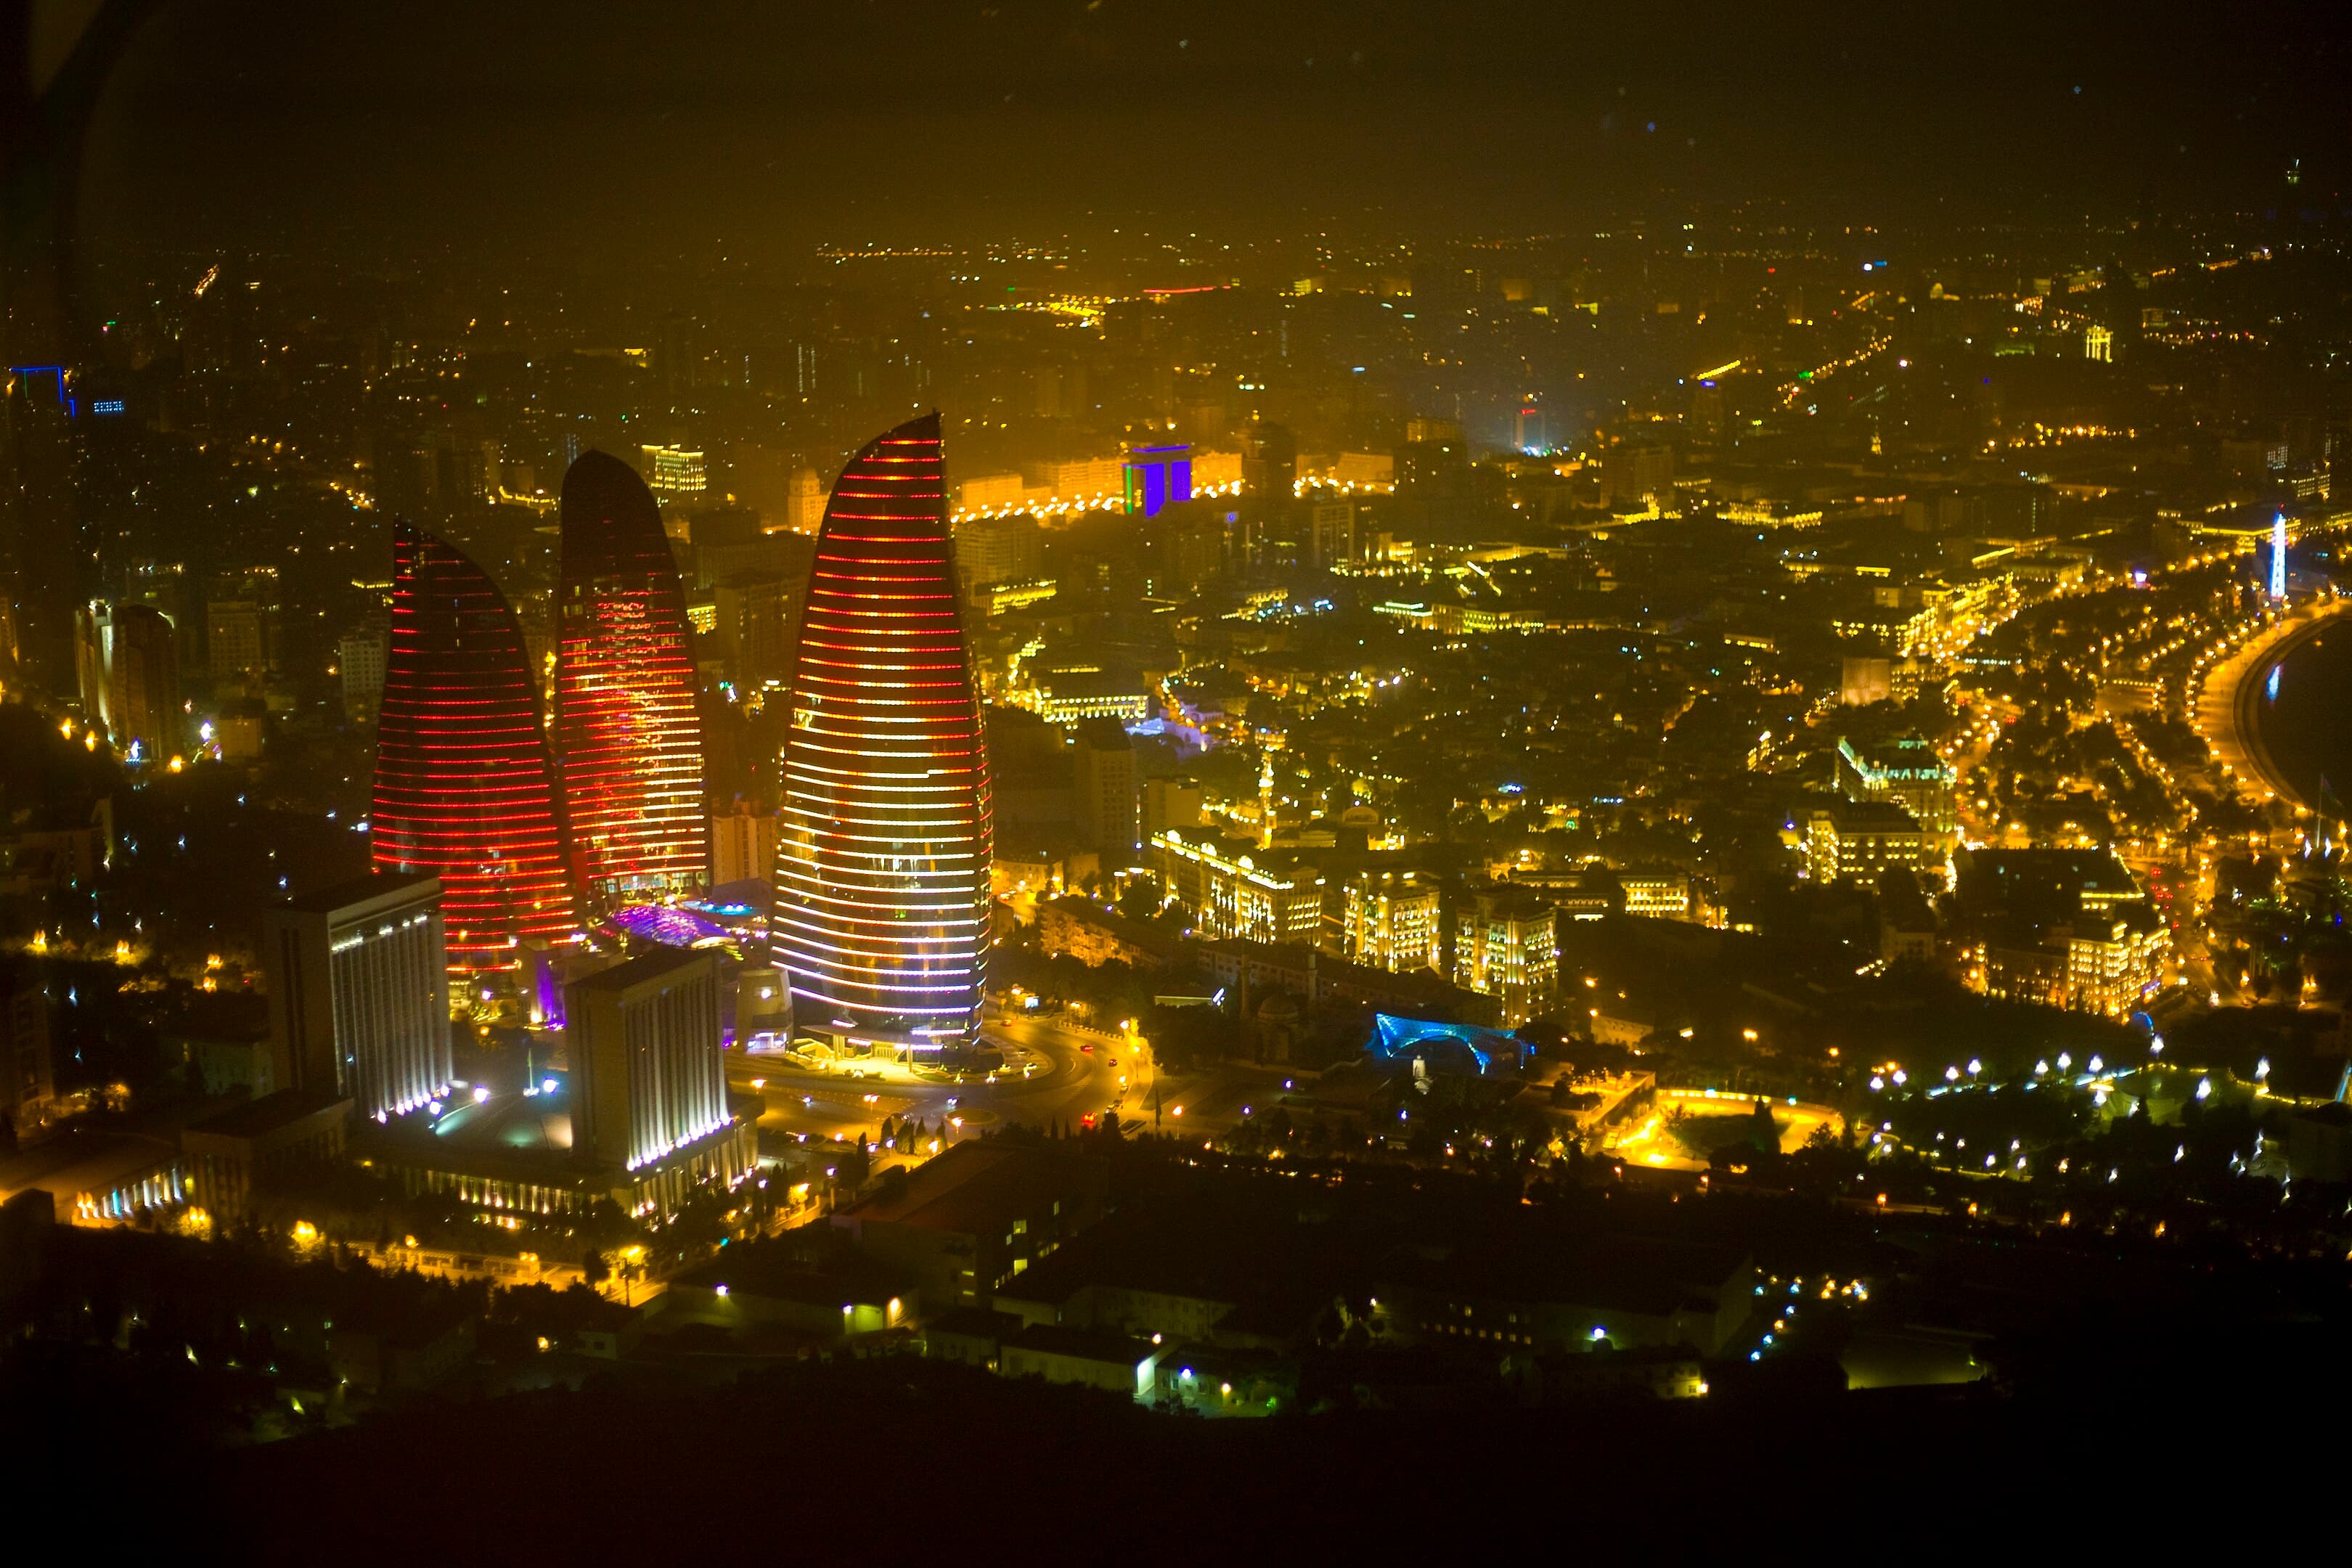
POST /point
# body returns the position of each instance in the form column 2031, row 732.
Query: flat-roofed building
column 969, row 1221
column 358, row 978
column 643, row 1039
column 1391, row 921
column 1506, row 945
column 24, row 1052
column 1859, row 841
column 1230, row 895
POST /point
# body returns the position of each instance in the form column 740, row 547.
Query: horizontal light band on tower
column 882, row 869
column 465, row 789
column 626, row 724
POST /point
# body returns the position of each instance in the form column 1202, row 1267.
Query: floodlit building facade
column 643, row 1039
column 1233, row 896
column 885, row 829
column 1506, row 945
column 1392, row 922
column 129, row 664
column 359, row 995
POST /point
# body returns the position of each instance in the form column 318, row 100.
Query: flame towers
column 463, row 787
column 882, row 911
column 626, row 724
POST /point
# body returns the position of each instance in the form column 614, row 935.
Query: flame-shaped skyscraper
column 465, row 789
column 626, row 724
column 882, row 899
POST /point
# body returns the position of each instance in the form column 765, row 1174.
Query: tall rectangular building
column 643, row 1039
column 1104, row 760
column 742, row 845
column 1506, row 945
column 359, row 993
column 23, row 1046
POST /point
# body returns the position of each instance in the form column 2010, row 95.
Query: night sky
column 627, row 124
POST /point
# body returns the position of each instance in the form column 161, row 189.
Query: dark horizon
column 633, row 130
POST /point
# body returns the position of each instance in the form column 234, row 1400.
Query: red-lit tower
column 625, row 724
column 882, row 905
column 465, row 789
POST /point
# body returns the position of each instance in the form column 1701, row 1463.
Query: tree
column 595, row 1268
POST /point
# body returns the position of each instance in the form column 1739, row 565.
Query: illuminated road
column 1075, row 1073
column 1648, row 1143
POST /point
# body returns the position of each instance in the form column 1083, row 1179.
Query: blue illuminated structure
column 58, row 371
column 1158, row 477
column 1443, row 1045
column 2278, row 556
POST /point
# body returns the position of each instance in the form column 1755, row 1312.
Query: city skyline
column 1099, row 752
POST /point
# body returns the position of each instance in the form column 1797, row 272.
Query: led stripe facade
column 882, row 907
column 464, row 790
column 625, row 724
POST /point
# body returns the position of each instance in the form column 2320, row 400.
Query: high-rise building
column 742, row 845
column 1269, row 463
column 643, row 1039
column 359, row 658
column 883, row 914
column 626, row 724
column 992, row 550
column 1104, row 761
column 464, row 790
column 237, row 641
column 24, row 1045
column 359, row 993
column 129, row 663
column 1170, row 803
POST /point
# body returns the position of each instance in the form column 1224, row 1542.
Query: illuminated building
column 1157, row 476
column 677, row 471
column 993, row 550
column 1657, row 895
column 1233, row 895
column 1391, row 921
column 1859, row 841
column 129, row 667
column 882, row 870
column 463, row 787
column 2099, row 343
column 1506, row 946
column 643, row 1040
column 1907, row 770
column 2115, row 960
column 1067, row 696
column 743, row 845
column 626, row 724
column 359, row 995
column 2278, row 556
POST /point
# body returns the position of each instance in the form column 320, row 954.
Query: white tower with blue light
column 2278, row 556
